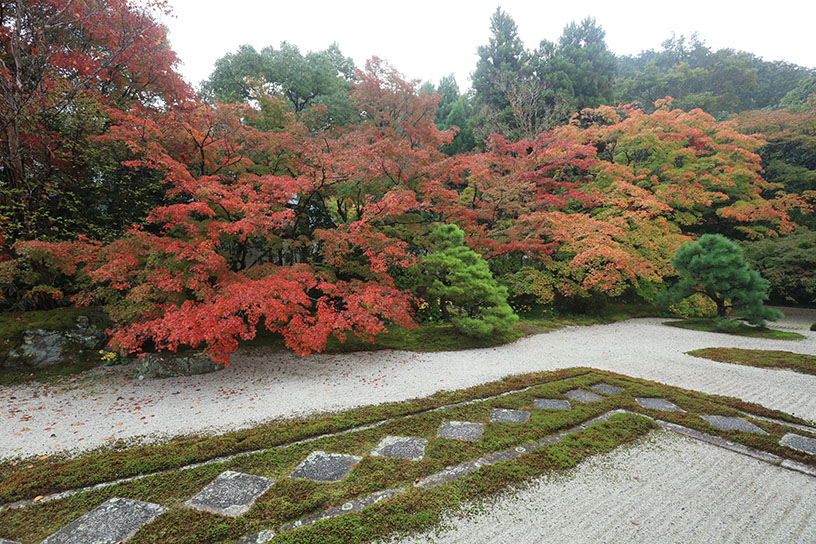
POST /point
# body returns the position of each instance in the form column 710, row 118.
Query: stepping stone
column 460, row 430
column 654, row 403
column 401, row 447
column 230, row 494
column 325, row 467
column 505, row 415
column 733, row 424
column 261, row 537
column 115, row 520
column 552, row 404
column 582, row 396
column 606, row 389
column 799, row 442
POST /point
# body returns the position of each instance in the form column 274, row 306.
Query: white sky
column 429, row 39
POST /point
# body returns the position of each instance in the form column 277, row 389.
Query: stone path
column 233, row 493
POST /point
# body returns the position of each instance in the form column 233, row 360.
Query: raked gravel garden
column 657, row 486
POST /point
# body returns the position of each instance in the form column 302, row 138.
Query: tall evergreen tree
column 502, row 57
column 579, row 66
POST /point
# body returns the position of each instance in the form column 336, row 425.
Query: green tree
column 579, row 66
column 459, row 280
column 316, row 78
column 719, row 82
column 789, row 265
column 504, row 54
column 714, row 266
column 502, row 62
column 454, row 110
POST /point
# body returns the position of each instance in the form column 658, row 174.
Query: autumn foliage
column 283, row 221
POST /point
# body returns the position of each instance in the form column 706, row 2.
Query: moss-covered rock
column 162, row 365
column 53, row 339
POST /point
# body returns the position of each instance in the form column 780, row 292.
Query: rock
column 325, row 467
column 116, row 520
column 655, row 403
column 401, row 447
column 733, row 424
column 505, row 415
column 42, row 348
column 460, row 430
column 582, row 396
column 799, row 442
column 552, row 404
column 606, row 389
column 261, row 537
column 155, row 365
column 230, row 494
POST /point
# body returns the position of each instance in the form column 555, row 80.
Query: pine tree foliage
column 460, row 282
column 714, row 266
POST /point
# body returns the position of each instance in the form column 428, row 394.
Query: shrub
column 458, row 282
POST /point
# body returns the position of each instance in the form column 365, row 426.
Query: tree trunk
column 13, row 161
column 721, row 307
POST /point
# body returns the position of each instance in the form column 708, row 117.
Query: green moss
column 738, row 329
column 290, row 499
column 760, row 358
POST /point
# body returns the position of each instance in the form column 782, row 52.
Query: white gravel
column 94, row 409
column 664, row 489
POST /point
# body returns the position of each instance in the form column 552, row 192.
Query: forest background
column 299, row 193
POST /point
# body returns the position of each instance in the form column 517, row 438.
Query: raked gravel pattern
column 665, row 488
column 106, row 405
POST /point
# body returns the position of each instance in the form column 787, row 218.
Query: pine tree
column 714, row 266
column 460, row 282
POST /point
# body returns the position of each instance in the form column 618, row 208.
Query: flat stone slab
column 733, row 424
column 582, row 396
column 799, row 442
column 352, row 506
column 401, row 447
column 115, row 520
column 230, row 494
column 261, row 537
column 552, row 404
column 606, row 388
column 460, row 430
column 325, row 467
column 655, row 403
column 506, row 415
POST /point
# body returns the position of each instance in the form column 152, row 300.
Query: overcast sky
column 428, row 39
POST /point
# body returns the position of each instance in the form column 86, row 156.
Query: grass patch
column 291, row 499
column 434, row 337
column 727, row 326
column 760, row 358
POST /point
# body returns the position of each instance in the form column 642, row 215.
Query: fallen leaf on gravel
column 37, row 498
